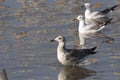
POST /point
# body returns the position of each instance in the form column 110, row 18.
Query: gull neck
column 61, row 46
column 87, row 12
column 81, row 24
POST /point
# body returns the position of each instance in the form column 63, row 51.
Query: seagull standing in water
column 90, row 28
column 97, row 17
column 71, row 56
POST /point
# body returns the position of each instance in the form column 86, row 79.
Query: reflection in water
column 84, row 36
column 74, row 73
column 106, row 38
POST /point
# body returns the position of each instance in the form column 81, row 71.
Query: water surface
column 27, row 26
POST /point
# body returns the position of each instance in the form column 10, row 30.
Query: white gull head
column 80, row 17
column 87, row 5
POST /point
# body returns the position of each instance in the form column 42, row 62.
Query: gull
column 71, row 56
column 3, row 75
column 90, row 28
column 97, row 17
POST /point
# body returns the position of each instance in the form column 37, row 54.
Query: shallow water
column 27, row 26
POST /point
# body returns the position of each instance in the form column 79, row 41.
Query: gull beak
column 74, row 19
column 52, row 40
column 82, row 6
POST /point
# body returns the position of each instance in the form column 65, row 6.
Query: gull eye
column 80, row 17
column 59, row 38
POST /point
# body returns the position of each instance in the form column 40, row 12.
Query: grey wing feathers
column 77, row 54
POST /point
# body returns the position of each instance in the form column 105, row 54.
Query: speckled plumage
column 71, row 56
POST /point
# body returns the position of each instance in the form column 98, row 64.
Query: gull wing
column 107, row 10
column 79, row 54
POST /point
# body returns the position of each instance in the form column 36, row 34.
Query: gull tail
column 100, row 28
column 92, row 50
column 113, row 8
column 103, row 26
column 108, row 21
column 108, row 10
